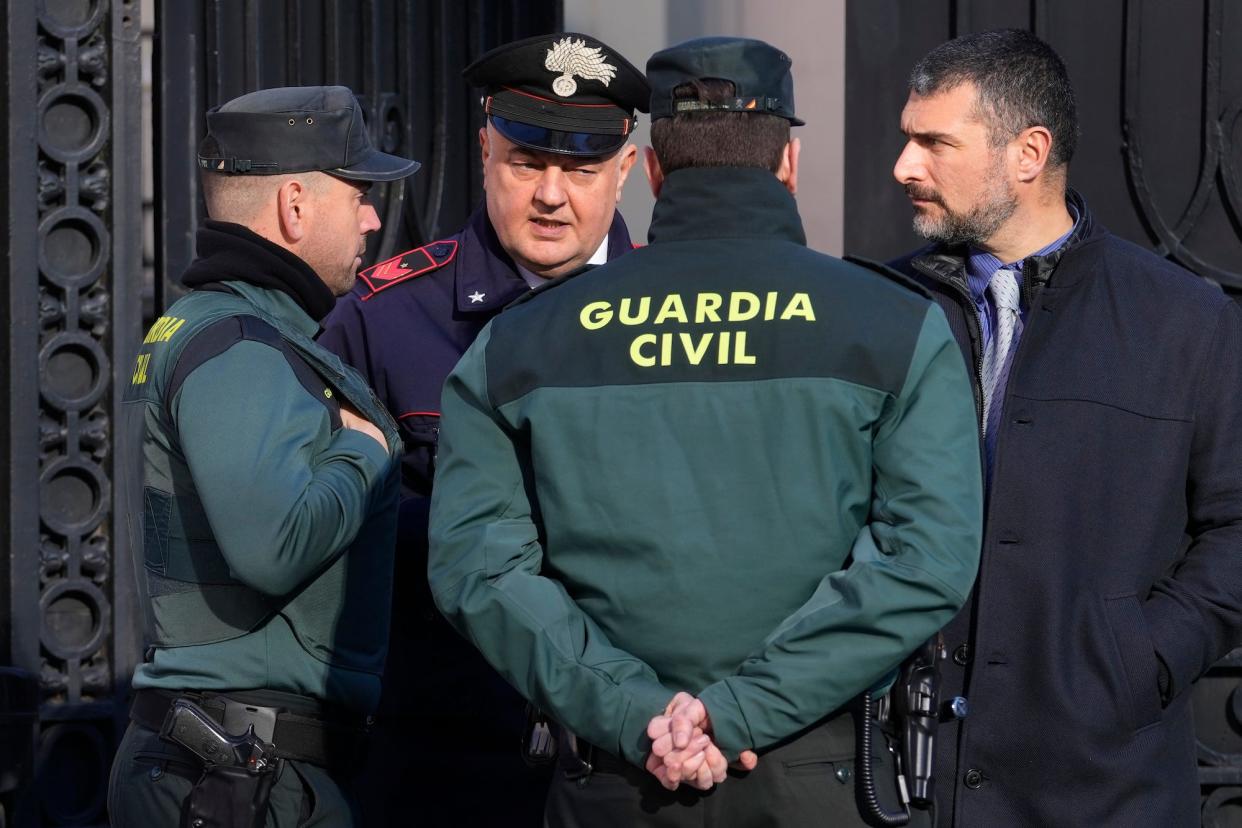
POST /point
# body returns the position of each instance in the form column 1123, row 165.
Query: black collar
column 724, row 203
column 948, row 264
column 230, row 252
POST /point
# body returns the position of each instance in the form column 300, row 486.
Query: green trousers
column 806, row 782
column 151, row 779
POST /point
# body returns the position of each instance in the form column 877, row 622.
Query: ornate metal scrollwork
column 76, row 281
column 1217, row 700
column 1217, row 177
column 83, row 120
column 1217, row 705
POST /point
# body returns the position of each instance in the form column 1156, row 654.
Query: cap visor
column 581, row 144
column 378, row 166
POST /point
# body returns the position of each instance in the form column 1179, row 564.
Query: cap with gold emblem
column 565, row 93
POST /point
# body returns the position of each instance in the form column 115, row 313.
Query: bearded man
column 1108, row 385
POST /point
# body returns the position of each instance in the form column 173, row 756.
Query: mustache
column 923, row 194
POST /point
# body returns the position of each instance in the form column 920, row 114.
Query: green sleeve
column 912, row 564
column 484, row 568
column 283, row 494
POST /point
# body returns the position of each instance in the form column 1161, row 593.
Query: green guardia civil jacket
column 268, row 529
column 724, row 464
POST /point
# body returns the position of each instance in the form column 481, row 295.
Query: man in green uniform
column 269, row 487
column 707, row 494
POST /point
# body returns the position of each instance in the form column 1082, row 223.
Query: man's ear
column 293, row 210
column 485, row 149
column 787, row 172
column 655, row 173
column 629, row 154
column 1033, row 145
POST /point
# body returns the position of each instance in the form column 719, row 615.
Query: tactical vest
column 192, row 596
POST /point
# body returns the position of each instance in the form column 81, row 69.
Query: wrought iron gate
column 402, row 59
column 74, row 297
column 72, row 274
column 1159, row 98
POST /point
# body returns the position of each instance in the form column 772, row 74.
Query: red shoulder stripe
column 400, row 268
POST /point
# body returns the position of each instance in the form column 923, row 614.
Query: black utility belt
column 334, row 742
column 579, row 760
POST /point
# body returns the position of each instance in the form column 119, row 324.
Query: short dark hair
column 718, row 138
column 1021, row 83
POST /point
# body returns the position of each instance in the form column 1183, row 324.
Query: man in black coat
column 1108, row 383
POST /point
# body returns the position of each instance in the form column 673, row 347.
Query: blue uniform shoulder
column 405, row 266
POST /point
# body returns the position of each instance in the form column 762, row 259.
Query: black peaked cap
column 566, row 93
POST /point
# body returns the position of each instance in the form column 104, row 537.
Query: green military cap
column 760, row 74
column 296, row 129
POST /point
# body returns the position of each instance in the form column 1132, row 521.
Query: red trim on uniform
column 387, row 271
column 419, row 413
column 558, row 103
column 391, row 271
column 634, row 245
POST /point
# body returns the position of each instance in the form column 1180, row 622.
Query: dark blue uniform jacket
column 409, row 319
column 403, row 327
column 1111, row 574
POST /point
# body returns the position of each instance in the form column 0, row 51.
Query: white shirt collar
column 601, row 253
column 598, row 258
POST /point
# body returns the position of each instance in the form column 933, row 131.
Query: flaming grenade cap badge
column 572, row 57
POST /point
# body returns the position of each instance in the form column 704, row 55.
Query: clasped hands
column 682, row 749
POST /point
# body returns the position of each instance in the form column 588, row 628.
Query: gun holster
column 227, row 797
column 230, row 793
column 910, row 715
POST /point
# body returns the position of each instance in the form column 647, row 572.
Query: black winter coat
column 1111, row 573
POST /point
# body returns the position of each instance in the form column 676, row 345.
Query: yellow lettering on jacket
column 140, row 369
column 155, row 330
column 799, row 305
column 707, row 306
column 736, row 300
column 695, row 351
column 628, row 317
column 671, row 309
column 596, row 315
column 730, row 349
column 636, row 352
column 730, row 346
column 740, row 357
column 163, row 330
